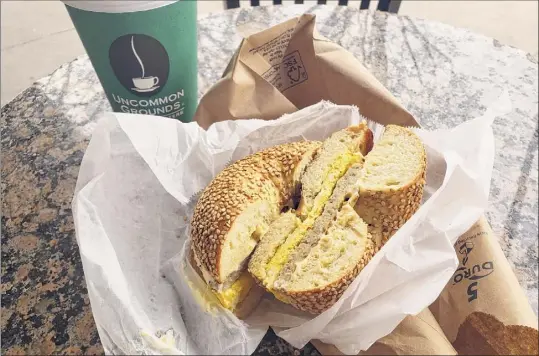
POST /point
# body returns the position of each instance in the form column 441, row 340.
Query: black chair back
column 383, row 5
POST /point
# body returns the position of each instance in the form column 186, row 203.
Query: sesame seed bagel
column 239, row 204
column 352, row 198
column 392, row 182
column 369, row 202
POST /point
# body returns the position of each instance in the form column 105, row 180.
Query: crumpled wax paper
column 137, row 187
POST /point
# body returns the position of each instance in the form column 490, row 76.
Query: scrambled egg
column 233, row 295
column 337, row 169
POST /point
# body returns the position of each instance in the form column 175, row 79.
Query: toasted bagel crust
column 387, row 208
column 317, row 300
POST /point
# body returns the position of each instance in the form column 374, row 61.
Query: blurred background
column 38, row 36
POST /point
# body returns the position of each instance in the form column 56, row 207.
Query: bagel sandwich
column 248, row 199
column 308, row 258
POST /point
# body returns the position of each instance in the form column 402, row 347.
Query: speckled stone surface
column 443, row 75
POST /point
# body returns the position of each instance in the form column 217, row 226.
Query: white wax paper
column 138, row 185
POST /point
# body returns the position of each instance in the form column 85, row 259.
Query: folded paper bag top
column 483, row 310
column 290, row 66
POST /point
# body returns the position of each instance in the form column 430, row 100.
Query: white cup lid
column 117, row 6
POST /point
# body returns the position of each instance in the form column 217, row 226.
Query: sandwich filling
column 336, row 170
column 278, row 231
column 336, row 254
column 232, row 296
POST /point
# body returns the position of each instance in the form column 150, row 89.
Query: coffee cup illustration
column 140, row 63
column 145, row 83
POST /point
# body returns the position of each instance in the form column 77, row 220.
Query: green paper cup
column 144, row 53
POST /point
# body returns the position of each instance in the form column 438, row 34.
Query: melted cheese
column 232, row 296
column 337, row 169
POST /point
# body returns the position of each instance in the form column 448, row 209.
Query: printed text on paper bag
column 273, row 51
column 466, row 272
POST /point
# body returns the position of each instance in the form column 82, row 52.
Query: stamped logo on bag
column 288, row 73
column 473, row 272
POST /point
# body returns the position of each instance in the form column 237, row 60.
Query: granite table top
column 443, row 75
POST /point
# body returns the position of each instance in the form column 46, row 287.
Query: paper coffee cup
column 144, row 53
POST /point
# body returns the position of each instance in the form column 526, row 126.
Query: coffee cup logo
column 140, row 63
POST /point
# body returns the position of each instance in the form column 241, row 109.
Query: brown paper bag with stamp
column 290, row 66
column 483, row 310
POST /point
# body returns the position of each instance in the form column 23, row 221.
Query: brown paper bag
column 290, row 66
column 483, row 310
column 415, row 335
